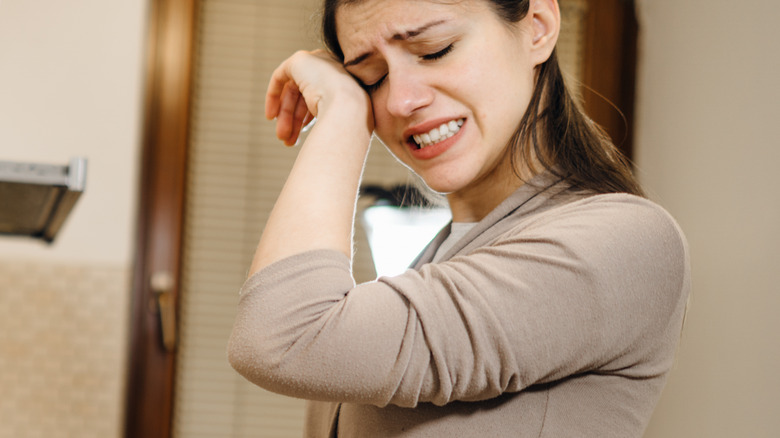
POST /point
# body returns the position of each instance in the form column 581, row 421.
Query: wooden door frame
column 609, row 70
column 609, row 75
column 168, row 71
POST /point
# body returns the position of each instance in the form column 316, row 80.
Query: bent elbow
column 236, row 352
column 248, row 359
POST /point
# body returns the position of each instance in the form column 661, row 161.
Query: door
column 152, row 343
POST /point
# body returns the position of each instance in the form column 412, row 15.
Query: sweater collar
column 527, row 198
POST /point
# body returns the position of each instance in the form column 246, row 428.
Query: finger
column 284, row 119
column 298, row 117
column 276, row 87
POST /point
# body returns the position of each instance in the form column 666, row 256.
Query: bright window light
column 397, row 235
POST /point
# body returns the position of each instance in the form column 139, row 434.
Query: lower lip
column 437, row 149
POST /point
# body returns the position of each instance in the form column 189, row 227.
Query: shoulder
column 611, row 233
column 613, row 214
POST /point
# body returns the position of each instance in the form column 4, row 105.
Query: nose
column 407, row 92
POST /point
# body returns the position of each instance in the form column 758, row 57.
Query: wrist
column 347, row 99
column 350, row 116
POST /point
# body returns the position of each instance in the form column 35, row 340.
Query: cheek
column 385, row 131
column 506, row 92
column 487, row 82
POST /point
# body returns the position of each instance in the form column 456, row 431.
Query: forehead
column 368, row 23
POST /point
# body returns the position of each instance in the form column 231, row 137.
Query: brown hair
column 565, row 141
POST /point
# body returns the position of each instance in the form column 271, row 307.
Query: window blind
column 235, row 169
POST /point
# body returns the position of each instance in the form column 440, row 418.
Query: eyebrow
column 397, row 37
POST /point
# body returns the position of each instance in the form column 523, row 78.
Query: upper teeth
column 435, row 135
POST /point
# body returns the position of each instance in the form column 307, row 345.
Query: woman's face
column 449, row 83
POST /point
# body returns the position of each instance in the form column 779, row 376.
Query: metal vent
column 35, row 199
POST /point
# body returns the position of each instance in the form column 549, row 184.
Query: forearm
column 288, row 339
column 316, row 207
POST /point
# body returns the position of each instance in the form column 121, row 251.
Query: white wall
column 708, row 148
column 70, row 85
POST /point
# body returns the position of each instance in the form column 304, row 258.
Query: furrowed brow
column 397, row 37
column 415, row 32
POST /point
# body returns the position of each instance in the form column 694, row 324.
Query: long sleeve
column 597, row 285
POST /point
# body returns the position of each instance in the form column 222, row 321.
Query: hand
column 308, row 84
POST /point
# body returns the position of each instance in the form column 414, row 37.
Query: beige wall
column 70, row 85
column 70, row 78
column 708, row 148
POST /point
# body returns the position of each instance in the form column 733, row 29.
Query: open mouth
column 436, row 135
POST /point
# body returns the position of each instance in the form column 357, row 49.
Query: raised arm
column 316, row 207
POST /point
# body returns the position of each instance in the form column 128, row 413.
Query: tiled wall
column 63, row 332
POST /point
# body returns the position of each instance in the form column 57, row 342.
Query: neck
column 473, row 204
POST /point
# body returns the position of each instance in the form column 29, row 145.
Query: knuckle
column 299, row 54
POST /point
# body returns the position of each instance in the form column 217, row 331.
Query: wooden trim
column 149, row 392
column 610, row 68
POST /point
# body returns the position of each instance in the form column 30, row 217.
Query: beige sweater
column 558, row 315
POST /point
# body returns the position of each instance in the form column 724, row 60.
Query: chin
column 442, row 187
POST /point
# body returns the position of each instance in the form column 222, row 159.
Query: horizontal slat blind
column 235, row 169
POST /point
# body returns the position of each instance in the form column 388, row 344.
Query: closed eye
column 439, row 54
column 370, row 88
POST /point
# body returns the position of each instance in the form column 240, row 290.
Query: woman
column 550, row 307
